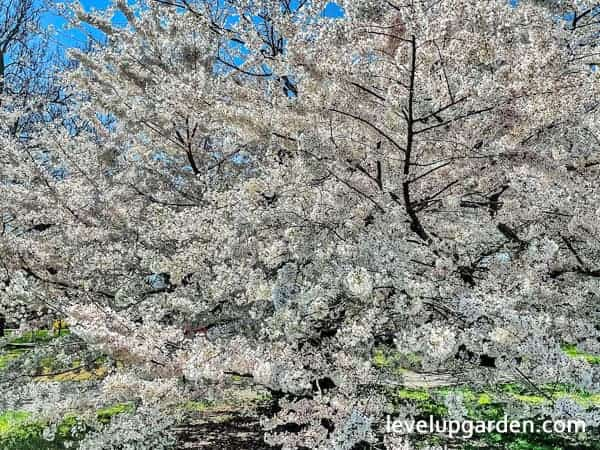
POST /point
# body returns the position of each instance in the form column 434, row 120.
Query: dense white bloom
column 360, row 282
column 503, row 336
column 442, row 342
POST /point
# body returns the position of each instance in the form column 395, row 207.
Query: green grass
column 18, row 431
column 48, row 368
column 413, row 394
column 12, row 420
column 531, row 399
column 572, row 351
column 484, row 399
column 37, row 336
column 234, row 400
column 106, row 414
column 7, row 357
column 492, row 404
column 394, row 361
column 389, row 360
column 198, row 406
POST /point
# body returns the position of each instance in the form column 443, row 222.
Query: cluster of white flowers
column 147, row 429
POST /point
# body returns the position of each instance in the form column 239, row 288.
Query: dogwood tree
column 268, row 192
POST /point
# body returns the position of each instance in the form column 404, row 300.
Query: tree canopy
column 255, row 189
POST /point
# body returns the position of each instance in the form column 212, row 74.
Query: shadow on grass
column 218, row 431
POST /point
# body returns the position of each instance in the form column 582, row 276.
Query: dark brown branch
column 415, row 223
column 375, row 127
column 369, row 91
column 442, row 109
column 62, row 284
column 358, row 191
column 455, row 119
column 423, row 203
column 572, row 250
column 428, row 172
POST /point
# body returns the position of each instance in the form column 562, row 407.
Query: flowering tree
column 266, row 192
column 30, row 98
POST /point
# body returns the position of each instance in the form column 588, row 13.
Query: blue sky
column 72, row 38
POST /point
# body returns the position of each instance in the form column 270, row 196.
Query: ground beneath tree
column 218, row 431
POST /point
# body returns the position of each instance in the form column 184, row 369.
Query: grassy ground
column 493, row 403
column 232, row 423
column 229, row 423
